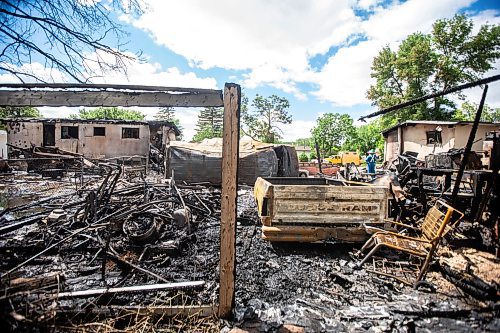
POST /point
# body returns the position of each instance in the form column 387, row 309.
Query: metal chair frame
column 436, row 224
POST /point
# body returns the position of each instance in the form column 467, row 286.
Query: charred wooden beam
column 145, row 310
column 78, row 98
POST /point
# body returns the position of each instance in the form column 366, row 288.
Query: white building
column 428, row 136
column 92, row 138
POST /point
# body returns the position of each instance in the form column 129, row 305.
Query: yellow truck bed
column 316, row 209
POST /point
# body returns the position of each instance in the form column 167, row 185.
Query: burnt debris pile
column 108, row 243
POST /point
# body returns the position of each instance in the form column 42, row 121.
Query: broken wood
column 33, row 283
column 162, row 310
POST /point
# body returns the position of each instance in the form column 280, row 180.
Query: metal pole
column 439, row 94
column 468, row 147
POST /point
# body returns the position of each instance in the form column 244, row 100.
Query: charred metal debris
column 97, row 235
column 107, row 246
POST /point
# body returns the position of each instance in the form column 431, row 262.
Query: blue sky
column 317, row 53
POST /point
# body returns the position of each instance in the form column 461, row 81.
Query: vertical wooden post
column 230, row 153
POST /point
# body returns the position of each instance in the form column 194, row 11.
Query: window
column 130, row 133
column 69, row 132
column 99, row 131
column 434, row 137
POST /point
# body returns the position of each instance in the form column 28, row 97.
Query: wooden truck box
column 318, row 209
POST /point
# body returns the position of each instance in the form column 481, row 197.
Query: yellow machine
column 345, row 158
column 334, row 159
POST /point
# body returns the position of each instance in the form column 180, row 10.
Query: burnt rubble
column 108, row 233
column 83, row 251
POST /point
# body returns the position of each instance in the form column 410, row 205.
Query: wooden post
column 230, row 153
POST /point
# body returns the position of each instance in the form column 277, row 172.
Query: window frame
column 103, row 128
column 132, row 131
column 70, row 130
column 434, row 137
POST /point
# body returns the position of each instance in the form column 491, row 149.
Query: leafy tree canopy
column 366, row 137
column 19, row 112
column 262, row 122
column 426, row 63
column 303, row 157
column 305, row 142
column 467, row 112
column 108, row 113
column 209, row 125
column 332, row 131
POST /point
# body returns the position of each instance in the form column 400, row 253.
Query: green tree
column 304, row 142
column 262, row 122
column 366, row 137
column 168, row 114
column 332, row 132
column 108, row 113
column 19, row 112
column 495, row 115
column 303, row 157
column 427, row 63
column 467, row 112
column 312, row 156
column 209, row 125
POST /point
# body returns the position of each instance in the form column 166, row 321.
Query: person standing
column 371, row 160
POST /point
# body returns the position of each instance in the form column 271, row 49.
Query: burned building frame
column 94, row 95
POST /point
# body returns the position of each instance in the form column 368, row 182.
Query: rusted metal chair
column 435, row 225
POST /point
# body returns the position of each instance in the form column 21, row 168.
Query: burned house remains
column 94, row 139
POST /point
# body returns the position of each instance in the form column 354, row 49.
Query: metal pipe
column 468, row 147
column 426, row 97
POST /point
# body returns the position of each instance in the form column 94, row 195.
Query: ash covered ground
column 313, row 286
column 317, row 287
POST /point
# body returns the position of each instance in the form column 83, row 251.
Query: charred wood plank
column 108, row 98
column 14, row 226
column 144, row 310
column 33, row 283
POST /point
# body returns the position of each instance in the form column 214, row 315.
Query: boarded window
column 130, row 133
column 69, row 132
column 99, row 131
column 434, row 137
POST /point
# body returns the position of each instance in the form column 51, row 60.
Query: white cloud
column 395, row 22
column 297, row 129
column 274, row 39
column 247, row 34
column 37, row 70
column 147, row 73
column 345, row 78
